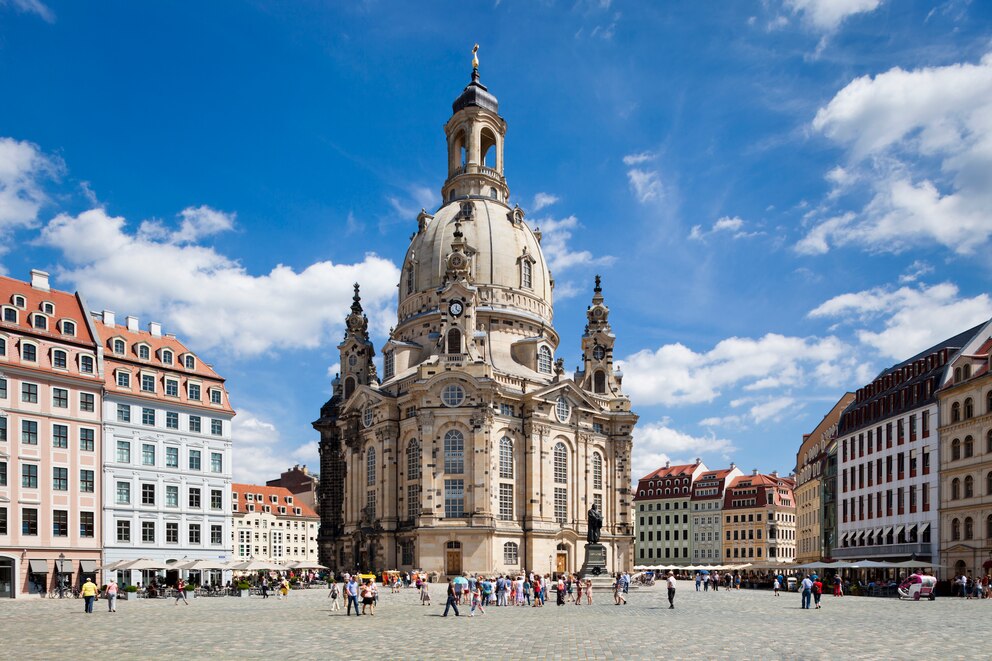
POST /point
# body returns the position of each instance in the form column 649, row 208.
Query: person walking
column 180, row 592
column 671, row 589
column 111, row 594
column 618, row 595
column 89, row 593
column 265, row 587
column 452, row 601
column 476, row 602
column 817, row 590
column 578, row 591
column 589, row 592
column 838, row 586
column 807, row 590
column 425, row 594
column 699, row 580
column 333, row 596
column 351, row 592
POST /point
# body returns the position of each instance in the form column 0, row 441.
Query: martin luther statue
column 595, row 525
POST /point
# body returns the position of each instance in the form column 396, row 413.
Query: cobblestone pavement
column 742, row 625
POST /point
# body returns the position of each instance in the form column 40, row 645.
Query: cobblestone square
column 744, row 625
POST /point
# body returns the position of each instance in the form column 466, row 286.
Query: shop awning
column 923, row 528
column 899, row 529
column 888, row 529
column 87, row 566
column 38, row 566
column 63, row 566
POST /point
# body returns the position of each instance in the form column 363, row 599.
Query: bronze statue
column 595, row 525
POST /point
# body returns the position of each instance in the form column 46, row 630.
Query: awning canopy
column 63, row 566
column 899, row 529
column 87, row 566
column 38, row 566
column 923, row 528
column 888, row 529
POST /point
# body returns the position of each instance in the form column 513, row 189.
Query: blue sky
column 783, row 196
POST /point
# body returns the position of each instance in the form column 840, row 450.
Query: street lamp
column 58, row 574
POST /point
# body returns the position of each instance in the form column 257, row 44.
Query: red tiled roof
column 238, row 492
column 67, row 306
column 133, row 338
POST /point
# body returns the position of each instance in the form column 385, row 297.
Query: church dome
column 503, row 252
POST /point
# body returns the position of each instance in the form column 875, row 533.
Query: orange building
column 759, row 519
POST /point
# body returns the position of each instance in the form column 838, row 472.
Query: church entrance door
column 561, row 565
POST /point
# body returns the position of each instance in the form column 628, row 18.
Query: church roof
column 475, row 94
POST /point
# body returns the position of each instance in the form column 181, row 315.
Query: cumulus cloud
column 733, row 227
column 555, row 237
column 919, row 143
column 900, row 311
column 656, row 442
column 260, row 453
column 542, row 200
column 827, row 15
column 207, row 298
column 675, row 374
column 23, row 171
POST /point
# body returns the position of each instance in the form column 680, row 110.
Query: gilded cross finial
column 475, row 57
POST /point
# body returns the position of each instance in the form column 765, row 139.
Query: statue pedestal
column 595, row 562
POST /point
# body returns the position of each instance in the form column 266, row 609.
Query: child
column 333, row 595
column 776, row 586
column 425, row 594
column 476, row 602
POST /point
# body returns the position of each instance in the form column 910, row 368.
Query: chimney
column 698, row 461
column 108, row 318
column 155, row 329
column 754, row 471
column 775, row 474
column 732, row 465
column 39, row 280
column 668, row 464
column 132, row 324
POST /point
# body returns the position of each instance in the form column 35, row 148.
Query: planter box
column 244, row 593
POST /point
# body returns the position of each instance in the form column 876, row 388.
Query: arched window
column 988, row 484
column 969, row 408
column 955, row 449
column 562, row 409
column 119, row 347
column 955, row 489
column 544, row 360
column 349, row 387
column 454, row 341
column 526, row 274
column 510, row 554
column 167, row 357
column 969, row 486
column 370, row 467
column 409, row 279
column 969, row 446
column 506, row 457
column 454, row 452
column 599, row 382
column 413, row 460
column 561, row 463
column 388, row 364
column 969, row 528
column 956, row 412
column 597, row 471
column 955, row 529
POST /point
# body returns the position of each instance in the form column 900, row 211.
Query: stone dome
column 497, row 241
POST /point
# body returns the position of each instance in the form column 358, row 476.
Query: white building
column 167, row 449
column 273, row 525
column 707, row 505
column 888, row 461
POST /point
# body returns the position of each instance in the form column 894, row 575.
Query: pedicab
column 918, row 586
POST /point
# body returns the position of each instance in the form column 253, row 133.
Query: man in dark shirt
column 452, row 598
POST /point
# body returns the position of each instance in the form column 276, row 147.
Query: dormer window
column 274, row 499
column 289, row 499
column 68, row 327
column 48, row 307
column 10, row 315
column 144, row 353
column 526, row 274
column 29, row 352
column 123, row 379
column 166, row 356
column 190, row 362
column 39, row 321
column 119, row 347
column 215, row 396
column 59, row 359
column 19, row 301
column 193, row 391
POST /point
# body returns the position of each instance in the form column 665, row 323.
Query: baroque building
column 272, row 524
column 663, row 528
column 707, row 509
column 759, row 519
column 474, row 451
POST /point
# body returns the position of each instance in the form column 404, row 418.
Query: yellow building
column 810, row 463
column 759, row 519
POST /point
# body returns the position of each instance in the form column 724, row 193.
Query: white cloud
column 732, row 226
column 656, row 442
column 644, row 181
column 916, row 270
column 920, row 143
column 901, row 311
column 555, row 236
column 542, row 200
column 675, row 375
column 257, row 444
column 32, row 7
column 722, row 421
column 827, row 15
column 23, row 169
column 771, row 409
column 208, row 299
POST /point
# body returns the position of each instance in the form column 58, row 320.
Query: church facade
column 474, row 451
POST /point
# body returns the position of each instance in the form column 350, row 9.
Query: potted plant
column 127, row 591
column 244, row 588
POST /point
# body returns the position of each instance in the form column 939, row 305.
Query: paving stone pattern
column 741, row 625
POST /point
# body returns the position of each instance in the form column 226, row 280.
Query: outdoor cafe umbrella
column 201, row 565
column 256, row 565
column 144, row 563
column 114, row 566
column 306, row 564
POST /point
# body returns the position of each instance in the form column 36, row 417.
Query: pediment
column 576, row 395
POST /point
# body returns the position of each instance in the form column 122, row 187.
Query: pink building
column 50, row 438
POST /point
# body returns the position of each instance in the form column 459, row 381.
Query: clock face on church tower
column 599, row 352
column 456, row 309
